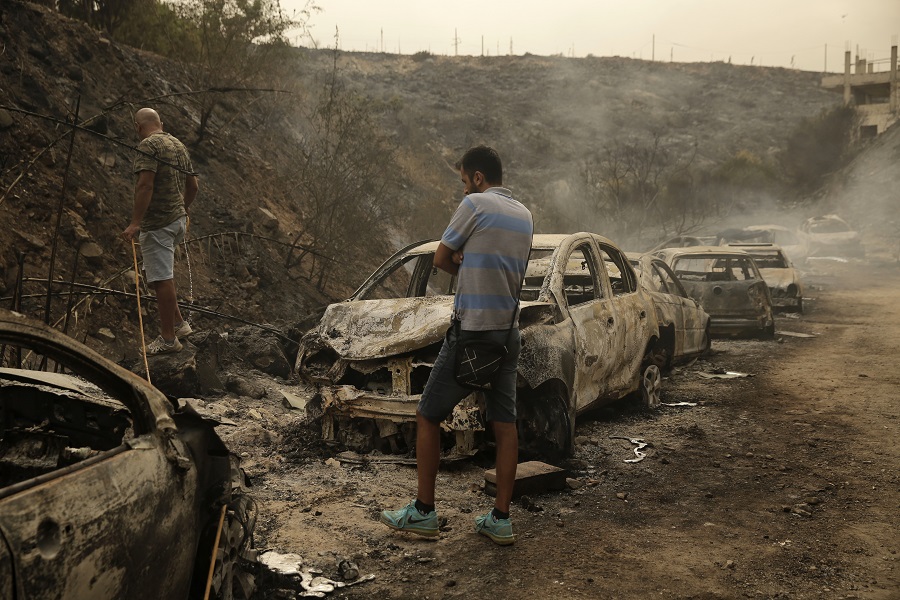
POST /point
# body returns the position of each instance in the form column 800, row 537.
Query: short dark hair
column 484, row 159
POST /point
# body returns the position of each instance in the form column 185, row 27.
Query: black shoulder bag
column 477, row 361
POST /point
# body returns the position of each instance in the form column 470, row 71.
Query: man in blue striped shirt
column 486, row 245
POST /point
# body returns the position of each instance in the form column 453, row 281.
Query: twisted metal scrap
column 640, row 444
column 311, row 581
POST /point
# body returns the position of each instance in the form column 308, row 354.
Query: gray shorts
column 442, row 393
column 158, row 250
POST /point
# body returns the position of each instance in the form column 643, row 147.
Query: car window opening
column 580, row 280
column 621, row 278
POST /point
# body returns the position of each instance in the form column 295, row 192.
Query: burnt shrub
column 818, row 146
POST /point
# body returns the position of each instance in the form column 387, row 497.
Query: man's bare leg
column 428, row 457
column 167, row 304
column 507, row 437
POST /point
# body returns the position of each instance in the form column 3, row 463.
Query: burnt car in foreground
column 683, row 324
column 783, row 279
column 106, row 490
column 589, row 336
column 830, row 235
column 729, row 286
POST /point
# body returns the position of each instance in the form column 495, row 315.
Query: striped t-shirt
column 494, row 232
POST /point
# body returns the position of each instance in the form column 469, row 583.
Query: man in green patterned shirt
column 164, row 190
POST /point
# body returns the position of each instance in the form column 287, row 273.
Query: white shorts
column 158, row 250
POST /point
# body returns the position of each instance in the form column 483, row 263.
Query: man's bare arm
column 191, row 188
column 447, row 260
column 143, row 193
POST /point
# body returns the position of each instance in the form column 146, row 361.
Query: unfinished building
column 871, row 89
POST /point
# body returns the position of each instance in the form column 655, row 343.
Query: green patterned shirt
column 167, row 202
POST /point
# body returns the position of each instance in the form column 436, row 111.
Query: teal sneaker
column 410, row 519
column 499, row 530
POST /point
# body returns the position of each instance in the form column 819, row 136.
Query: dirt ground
column 779, row 485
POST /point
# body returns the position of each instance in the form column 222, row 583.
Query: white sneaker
column 161, row 346
column 183, row 329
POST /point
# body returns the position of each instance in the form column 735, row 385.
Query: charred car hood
column 367, row 329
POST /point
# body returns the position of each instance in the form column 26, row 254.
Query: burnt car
column 729, row 286
column 830, row 235
column 106, row 489
column 794, row 243
column 587, row 338
column 783, row 279
column 683, row 241
column 683, row 324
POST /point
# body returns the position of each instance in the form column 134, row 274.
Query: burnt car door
column 690, row 337
column 101, row 527
column 632, row 324
column 585, row 294
column 93, row 504
column 668, row 306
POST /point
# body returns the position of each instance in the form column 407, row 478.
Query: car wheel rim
column 651, row 386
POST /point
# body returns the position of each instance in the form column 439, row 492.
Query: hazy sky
column 767, row 32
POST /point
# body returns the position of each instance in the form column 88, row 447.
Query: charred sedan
column 830, row 235
column 729, row 286
column 683, row 324
column 783, row 279
column 107, row 490
column 589, row 336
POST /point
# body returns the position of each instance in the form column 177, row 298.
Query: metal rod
column 137, row 289
column 215, row 552
column 17, row 303
column 17, row 293
column 69, row 301
column 59, row 212
column 71, row 287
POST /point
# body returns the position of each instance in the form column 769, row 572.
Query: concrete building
column 873, row 92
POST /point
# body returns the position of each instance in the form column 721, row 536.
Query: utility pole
column 482, row 45
column 510, row 46
column 455, row 43
column 382, row 39
column 653, row 51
